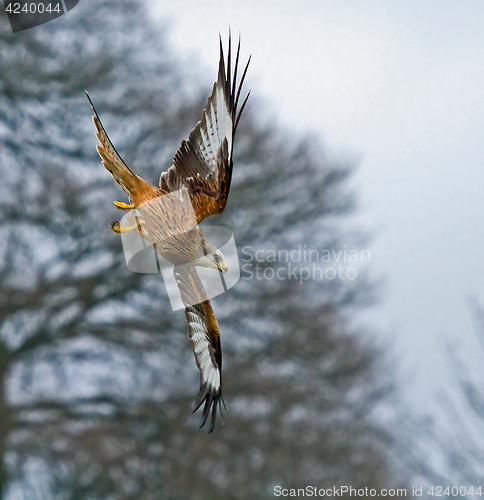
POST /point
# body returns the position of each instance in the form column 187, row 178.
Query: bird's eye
column 215, row 257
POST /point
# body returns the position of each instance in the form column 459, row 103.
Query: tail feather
column 132, row 184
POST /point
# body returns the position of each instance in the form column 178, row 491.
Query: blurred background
column 363, row 132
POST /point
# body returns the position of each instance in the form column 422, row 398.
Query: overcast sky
column 400, row 87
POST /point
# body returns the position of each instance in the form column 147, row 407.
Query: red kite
column 199, row 183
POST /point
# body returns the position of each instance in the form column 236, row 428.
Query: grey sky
column 400, row 86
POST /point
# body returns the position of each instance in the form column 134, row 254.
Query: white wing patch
column 204, row 163
column 206, row 348
column 216, row 126
column 198, row 334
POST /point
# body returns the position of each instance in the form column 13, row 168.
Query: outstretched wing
column 203, row 164
column 204, row 335
column 137, row 189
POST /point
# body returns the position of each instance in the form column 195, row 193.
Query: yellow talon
column 123, row 206
column 118, row 227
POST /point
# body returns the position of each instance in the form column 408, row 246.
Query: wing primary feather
column 214, row 415
column 234, row 81
column 206, row 409
column 221, row 67
column 228, row 85
column 201, row 395
column 241, row 109
column 241, row 83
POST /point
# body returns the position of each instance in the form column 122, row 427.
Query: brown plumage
column 195, row 186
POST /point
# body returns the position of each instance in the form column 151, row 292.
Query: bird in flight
column 193, row 188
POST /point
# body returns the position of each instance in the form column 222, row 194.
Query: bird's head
column 213, row 259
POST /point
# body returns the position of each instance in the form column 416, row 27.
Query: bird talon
column 118, row 227
column 123, row 206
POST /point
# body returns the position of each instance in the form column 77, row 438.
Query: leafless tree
column 98, row 376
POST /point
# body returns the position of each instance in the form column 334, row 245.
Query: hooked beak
column 223, row 268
